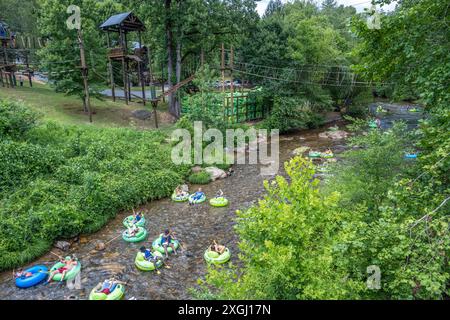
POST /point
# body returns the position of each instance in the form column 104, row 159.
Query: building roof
column 126, row 21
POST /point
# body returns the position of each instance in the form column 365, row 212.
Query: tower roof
column 126, row 21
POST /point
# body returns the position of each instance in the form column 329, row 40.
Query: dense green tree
column 61, row 56
column 329, row 4
column 287, row 244
column 274, row 6
column 181, row 30
column 20, row 16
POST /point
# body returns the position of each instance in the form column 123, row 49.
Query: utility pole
column 222, row 67
column 232, row 84
column 84, row 72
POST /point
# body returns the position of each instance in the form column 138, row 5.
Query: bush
column 286, row 245
column 292, row 113
column 15, row 119
column 60, row 181
column 200, row 178
column 357, row 111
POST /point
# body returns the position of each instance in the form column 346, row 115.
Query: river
column 196, row 226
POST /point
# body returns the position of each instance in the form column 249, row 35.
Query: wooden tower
column 8, row 66
column 117, row 29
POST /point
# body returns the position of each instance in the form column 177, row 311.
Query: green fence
column 239, row 107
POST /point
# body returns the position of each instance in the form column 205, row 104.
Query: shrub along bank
column 59, row 181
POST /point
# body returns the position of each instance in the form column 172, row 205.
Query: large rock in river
column 196, row 169
column 299, row 151
column 62, row 245
column 216, row 173
column 334, row 135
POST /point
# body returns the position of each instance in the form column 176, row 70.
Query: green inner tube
column 127, row 222
column 158, row 247
column 146, row 265
column 69, row 274
column 117, row 294
column 181, row 198
column 216, row 258
column 202, row 199
column 314, row 154
column 373, row 124
column 327, row 155
column 219, row 202
column 140, row 235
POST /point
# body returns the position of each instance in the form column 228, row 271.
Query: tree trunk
column 178, row 75
column 85, row 108
column 169, row 44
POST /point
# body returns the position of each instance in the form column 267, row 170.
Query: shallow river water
column 196, row 226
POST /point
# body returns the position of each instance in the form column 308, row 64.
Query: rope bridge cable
column 314, row 75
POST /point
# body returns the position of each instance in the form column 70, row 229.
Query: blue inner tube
column 40, row 273
column 411, row 156
column 202, row 199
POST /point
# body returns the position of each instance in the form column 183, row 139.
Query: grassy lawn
column 69, row 109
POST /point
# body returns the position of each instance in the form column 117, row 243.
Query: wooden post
column 150, row 71
column 111, row 77
column 162, row 83
column 155, row 114
column 1, row 77
column 141, row 76
column 140, row 70
column 28, row 69
column 129, row 84
column 124, row 70
column 14, row 79
column 222, row 67
column 232, row 82
column 84, row 71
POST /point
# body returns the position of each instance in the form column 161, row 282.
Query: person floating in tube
column 378, row 122
column 166, row 241
column 69, row 264
column 197, row 196
column 108, row 286
column 149, row 255
column 20, row 274
column 137, row 217
column 215, row 247
column 132, row 231
column 219, row 194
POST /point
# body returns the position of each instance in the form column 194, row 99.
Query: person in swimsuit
column 378, row 122
column 149, row 255
column 137, row 217
column 22, row 274
column 166, row 241
column 217, row 247
column 108, row 286
column 180, row 193
column 68, row 265
column 198, row 195
column 219, row 194
column 132, row 231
